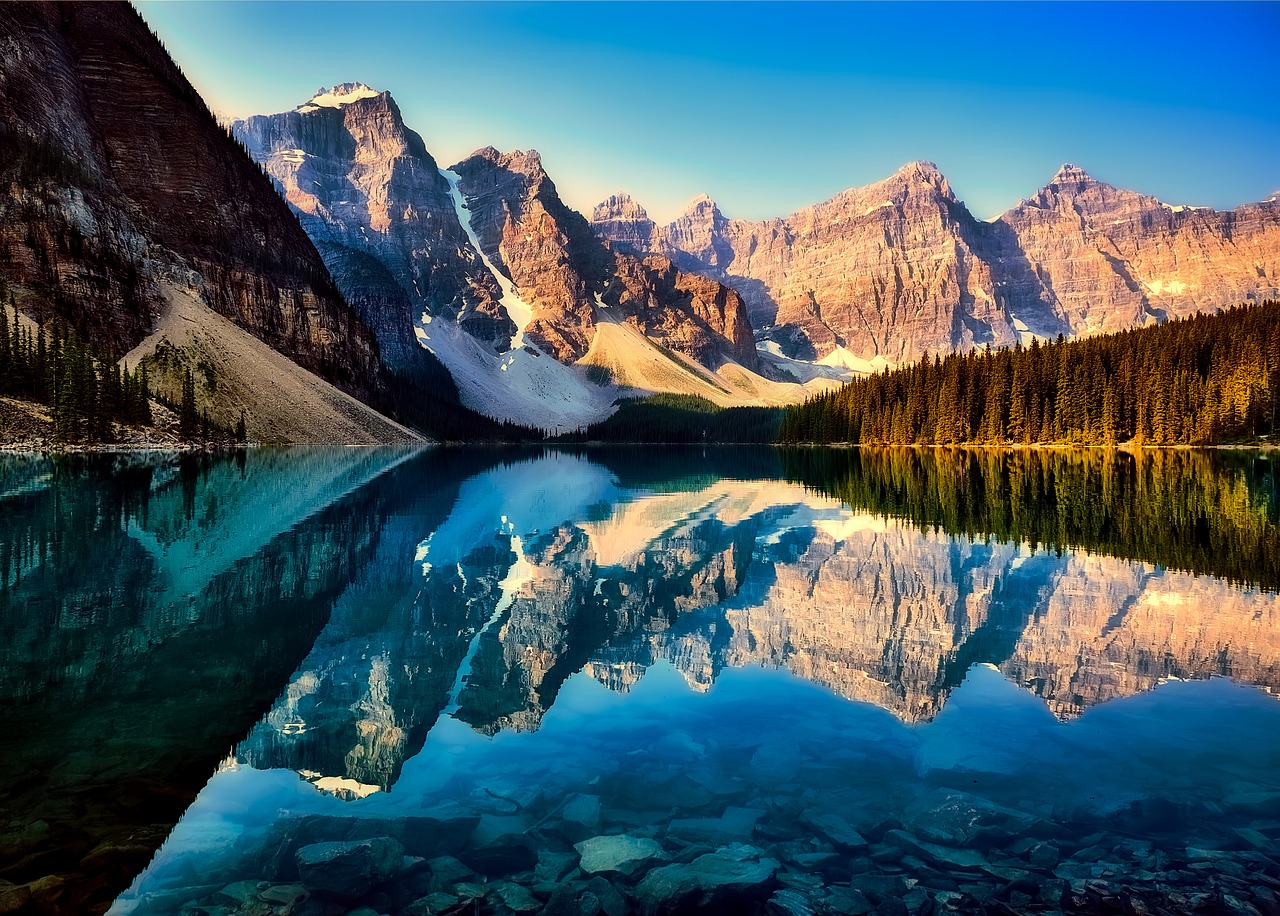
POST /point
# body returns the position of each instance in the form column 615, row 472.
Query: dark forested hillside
column 1197, row 381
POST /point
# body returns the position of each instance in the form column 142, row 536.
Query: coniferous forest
column 85, row 391
column 1197, row 381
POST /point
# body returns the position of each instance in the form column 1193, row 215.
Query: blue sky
column 770, row 107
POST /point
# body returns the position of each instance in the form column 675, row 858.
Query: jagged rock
column 611, row 902
column 371, row 196
column 944, row 857
column 433, row 904
column 347, row 870
column 583, row 810
column 789, row 903
column 514, row 897
column 617, row 853
column 834, row 828
column 901, row 266
column 554, row 866
column 728, row 877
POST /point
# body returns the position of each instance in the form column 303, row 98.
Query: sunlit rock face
column 901, row 267
column 373, row 199
column 1110, row 259
column 568, row 277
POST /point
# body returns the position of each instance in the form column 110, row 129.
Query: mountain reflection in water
column 500, row 641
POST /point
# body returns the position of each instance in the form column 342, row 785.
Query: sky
column 771, row 107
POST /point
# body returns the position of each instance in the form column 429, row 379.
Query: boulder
column 347, row 870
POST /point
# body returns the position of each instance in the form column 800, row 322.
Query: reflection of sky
column 770, row 107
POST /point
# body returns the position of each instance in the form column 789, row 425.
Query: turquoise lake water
column 490, row 681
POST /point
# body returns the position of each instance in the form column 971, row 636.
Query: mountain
column 128, row 213
column 485, row 269
column 881, row 274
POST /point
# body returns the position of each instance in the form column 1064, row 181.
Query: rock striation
column 119, row 184
column 901, row 267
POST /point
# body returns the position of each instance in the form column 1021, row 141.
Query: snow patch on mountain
column 520, row 386
column 517, row 309
column 338, row 96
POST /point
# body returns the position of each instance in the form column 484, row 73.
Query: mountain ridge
column 901, row 267
column 536, row 319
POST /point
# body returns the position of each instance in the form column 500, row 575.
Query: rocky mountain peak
column 339, row 96
column 701, row 206
column 920, row 175
column 1072, row 179
column 620, row 206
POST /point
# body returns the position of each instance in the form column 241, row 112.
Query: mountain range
column 882, row 274
column 536, row 318
column 336, row 284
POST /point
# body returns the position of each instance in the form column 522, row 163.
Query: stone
column 847, row 901
column 941, row 856
column 776, row 762
column 514, row 897
column 729, row 877
column 347, row 870
column 617, row 853
column 554, row 866
column 283, row 894
column 611, row 902
column 835, row 828
column 583, row 810
column 789, row 903
column 239, row 894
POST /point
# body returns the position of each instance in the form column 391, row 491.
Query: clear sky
column 770, row 107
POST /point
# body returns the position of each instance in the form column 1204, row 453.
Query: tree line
column 1196, row 381
column 85, row 390
column 681, row 419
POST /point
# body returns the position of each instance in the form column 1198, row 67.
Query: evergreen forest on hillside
column 682, row 419
column 1196, row 381
column 85, row 391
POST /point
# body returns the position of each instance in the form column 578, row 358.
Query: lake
column 386, row 681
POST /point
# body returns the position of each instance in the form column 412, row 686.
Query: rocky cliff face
column 372, row 198
column 901, row 267
column 565, row 274
column 119, row 184
column 1110, row 259
column 483, row 267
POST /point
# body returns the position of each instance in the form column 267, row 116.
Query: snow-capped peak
column 338, row 96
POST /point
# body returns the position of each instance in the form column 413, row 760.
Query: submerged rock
column 620, row 853
column 728, row 877
column 347, row 870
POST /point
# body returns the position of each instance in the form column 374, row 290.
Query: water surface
column 641, row 681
